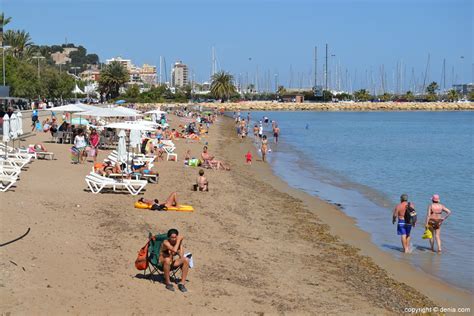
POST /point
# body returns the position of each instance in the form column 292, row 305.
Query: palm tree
column 362, row 95
column 19, row 41
column 112, row 77
column 3, row 21
column 453, row 95
column 222, row 86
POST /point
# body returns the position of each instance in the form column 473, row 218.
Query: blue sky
column 273, row 36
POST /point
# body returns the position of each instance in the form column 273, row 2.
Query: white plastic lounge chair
column 170, row 153
column 8, row 170
column 6, row 182
column 97, row 183
column 20, row 163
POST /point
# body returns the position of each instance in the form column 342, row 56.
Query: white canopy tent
column 159, row 112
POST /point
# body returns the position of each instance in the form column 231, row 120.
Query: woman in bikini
column 264, row 147
column 434, row 220
column 155, row 204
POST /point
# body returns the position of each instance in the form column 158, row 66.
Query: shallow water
column 364, row 161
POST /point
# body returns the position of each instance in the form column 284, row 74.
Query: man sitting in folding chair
column 172, row 256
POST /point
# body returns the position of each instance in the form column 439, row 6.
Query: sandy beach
column 259, row 246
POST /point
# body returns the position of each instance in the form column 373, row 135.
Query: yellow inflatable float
column 178, row 208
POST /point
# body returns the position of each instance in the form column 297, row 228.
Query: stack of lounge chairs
column 12, row 162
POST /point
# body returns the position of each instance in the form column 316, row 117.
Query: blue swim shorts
column 403, row 228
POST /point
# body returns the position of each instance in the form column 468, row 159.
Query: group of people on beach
column 242, row 126
column 404, row 215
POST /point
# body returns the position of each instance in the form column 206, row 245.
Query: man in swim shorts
column 403, row 229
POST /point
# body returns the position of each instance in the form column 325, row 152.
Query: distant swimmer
column 403, row 226
column 434, row 219
column 307, row 126
column 265, row 119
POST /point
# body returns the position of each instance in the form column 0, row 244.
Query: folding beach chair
column 153, row 257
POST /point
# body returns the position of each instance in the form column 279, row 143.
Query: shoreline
column 342, row 225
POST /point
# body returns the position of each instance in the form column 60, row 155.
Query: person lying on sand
column 171, row 201
column 142, row 168
column 172, row 255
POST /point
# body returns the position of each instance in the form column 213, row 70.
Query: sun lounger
column 8, row 170
column 170, row 153
column 6, row 182
column 97, row 183
column 17, row 162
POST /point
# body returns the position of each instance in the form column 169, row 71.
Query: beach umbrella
column 13, row 126
column 72, row 108
column 6, row 128
column 158, row 112
column 120, row 102
column 6, row 132
column 111, row 112
column 130, row 126
column 122, row 147
column 19, row 118
column 79, row 121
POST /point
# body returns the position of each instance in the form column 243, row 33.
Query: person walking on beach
column 94, row 140
column 248, row 158
column 34, row 119
column 434, row 220
column 276, row 133
column 403, row 228
column 264, row 147
column 80, row 144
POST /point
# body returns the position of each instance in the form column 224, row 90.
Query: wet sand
column 259, row 246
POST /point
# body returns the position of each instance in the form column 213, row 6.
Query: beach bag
column 92, row 152
column 38, row 126
column 427, row 234
column 142, row 260
column 410, row 215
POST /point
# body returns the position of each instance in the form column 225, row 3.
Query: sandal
column 182, row 288
column 170, row 287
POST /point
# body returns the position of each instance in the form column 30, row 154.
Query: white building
column 179, row 74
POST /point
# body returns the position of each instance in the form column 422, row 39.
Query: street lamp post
column 39, row 75
column 3, row 62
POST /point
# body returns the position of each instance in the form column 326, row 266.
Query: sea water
column 364, row 161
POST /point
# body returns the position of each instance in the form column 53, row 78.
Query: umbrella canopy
column 6, row 128
column 111, row 112
column 129, row 126
column 120, row 102
column 72, row 108
column 19, row 118
column 127, row 110
column 13, row 126
column 79, row 121
column 142, row 122
column 122, row 147
column 159, row 112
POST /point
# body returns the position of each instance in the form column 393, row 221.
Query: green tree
column 471, row 96
column 112, row 77
column 20, row 42
column 386, row 97
column 409, row 96
column 281, row 90
column 22, row 78
column 3, row 21
column 222, row 86
column 452, row 95
column 132, row 92
column 432, row 88
column 362, row 95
